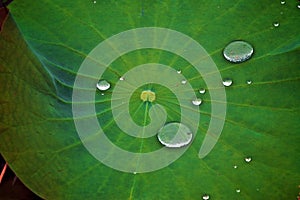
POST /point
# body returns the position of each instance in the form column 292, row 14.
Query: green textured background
column 39, row 61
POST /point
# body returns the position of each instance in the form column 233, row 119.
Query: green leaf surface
column 43, row 44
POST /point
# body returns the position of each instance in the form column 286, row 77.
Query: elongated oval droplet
column 227, row 82
column 174, row 135
column 103, row 85
column 238, row 51
column 205, row 197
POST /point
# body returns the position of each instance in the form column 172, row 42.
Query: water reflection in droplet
column 197, row 102
column 249, row 82
column 227, row 82
column 179, row 71
column 202, row 90
column 276, row 24
column 175, row 135
column 183, row 82
column 205, row 197
column 238, row 51
column 248, row 159
column 103, row 85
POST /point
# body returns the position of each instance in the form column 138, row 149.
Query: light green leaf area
column 39, row 61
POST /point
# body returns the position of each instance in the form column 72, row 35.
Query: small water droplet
column 202, row 90
column 197, row 102
column 282, row 2
column 121, row 78
column 94, row 1
column 238, row 190
column 249, row 82
column 183, row 82
column 248, row 159
column 298, row 6
column 227, row 82
column 235, row 166
column 134, row 172
column 175, row 135
column 102, row 94
column 276, row 24
column 257, row 189
column 103, row 85
column 179, row 71
column 238, row 51
column 205, row 197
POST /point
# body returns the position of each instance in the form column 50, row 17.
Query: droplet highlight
column 121, row 78
column 227, row 82
column 238, row 51
column 238, row 190
column 235, row 166
column 178, row 71
column 282, row 2
column 175, row 135
column 103, row 85
column 183, row 82
column 249, row 82
column 205, row 197
column 276, row 24
column 197, row 102
column 248, row 159
column 202, row 90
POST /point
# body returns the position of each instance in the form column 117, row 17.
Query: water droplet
column 103, row 85
column 102, row 94
column 183, row 82
column 121, row 78
column 148, row 95
column 238, row 51
column 235, row 166
column 276, row 24
column 257, row 189
column 249, row 82
column 298, row 6
column 227, row 82
column 238, row 190
column 282, row 2
column 134, row 172
column 248, row 159
column 202, row 90
column 94, row 1
column 175, row 135
column 197, row 102
column 205, row 197
column 179, row 71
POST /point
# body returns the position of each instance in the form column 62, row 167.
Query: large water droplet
column 227, row 82
column 276, row 24
column 238, row 51
column 148, row 95
column 202, row 90
column 205, row 197
column 103, row 85
column 248, row 159
column 197, row 102
column 175, row 135
column 298, row 6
